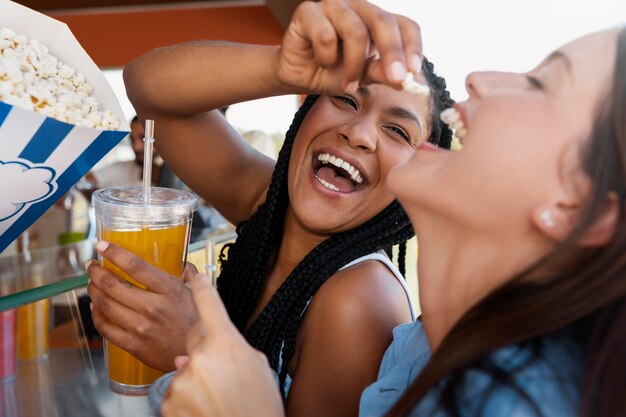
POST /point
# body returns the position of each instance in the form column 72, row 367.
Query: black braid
column 246, row 264
column 402, row 258
column 248, row 258
column 440, row 133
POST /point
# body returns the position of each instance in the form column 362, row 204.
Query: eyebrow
column 396, row 111
column 404, row 114
column 560, row 55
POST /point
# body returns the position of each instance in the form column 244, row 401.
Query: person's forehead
column 592, row 54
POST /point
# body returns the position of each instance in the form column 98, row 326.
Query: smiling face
column 343, row 151
column 522, row 145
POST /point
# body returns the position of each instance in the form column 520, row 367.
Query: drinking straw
column 148, row 141
column 210, row 268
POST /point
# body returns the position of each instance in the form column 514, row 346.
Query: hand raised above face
column 332, row 46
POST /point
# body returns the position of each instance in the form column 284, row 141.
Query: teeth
column 452, row 118
column 355, row 174
column 327, row 184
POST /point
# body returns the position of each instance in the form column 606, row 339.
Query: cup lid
column 131, row 201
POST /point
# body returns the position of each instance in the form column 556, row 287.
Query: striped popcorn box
column 41, row 158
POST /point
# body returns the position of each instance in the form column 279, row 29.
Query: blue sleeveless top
column 553, row 381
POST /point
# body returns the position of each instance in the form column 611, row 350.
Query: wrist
column 279, row 78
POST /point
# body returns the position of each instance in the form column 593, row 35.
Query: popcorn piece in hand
column 32, row 78
column 410, row 85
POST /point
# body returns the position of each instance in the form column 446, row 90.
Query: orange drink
column 157, row 230
column 33, row 335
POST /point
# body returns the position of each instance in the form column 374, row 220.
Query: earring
column 546, row 218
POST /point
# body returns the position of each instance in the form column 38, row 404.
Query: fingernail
column 352, row 87
column 397, row 71
column 416, row 61
column 88, row 263
column 91, row 306
column 102, row 245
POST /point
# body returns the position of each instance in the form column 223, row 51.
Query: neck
column 296, row 243
column 472, row 265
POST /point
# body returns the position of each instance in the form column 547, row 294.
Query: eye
column 350, row 101
column 398, row 131
column 534, row 82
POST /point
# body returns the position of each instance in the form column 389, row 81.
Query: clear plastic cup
column 158, row 231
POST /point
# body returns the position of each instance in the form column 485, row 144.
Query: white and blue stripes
column 60, row 151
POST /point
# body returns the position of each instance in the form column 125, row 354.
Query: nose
column 360, row 133
column 480, row 84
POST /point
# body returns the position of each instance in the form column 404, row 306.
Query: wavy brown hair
column 585, row 299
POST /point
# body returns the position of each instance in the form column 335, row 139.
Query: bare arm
column 347, row 329
column 178, row 86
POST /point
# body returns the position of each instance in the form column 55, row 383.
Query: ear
column 603, row 228
column 557, row 220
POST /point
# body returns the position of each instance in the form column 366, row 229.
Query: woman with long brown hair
column 522, row 263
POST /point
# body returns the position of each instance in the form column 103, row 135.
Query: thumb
column 212, row 312
column 188, row 272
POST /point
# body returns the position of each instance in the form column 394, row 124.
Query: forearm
column 196, row 77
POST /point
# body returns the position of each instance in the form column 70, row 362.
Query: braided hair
column 246, row 262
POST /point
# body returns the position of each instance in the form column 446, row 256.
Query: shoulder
column 363, row 294
column 349, row 322
column 343, row 336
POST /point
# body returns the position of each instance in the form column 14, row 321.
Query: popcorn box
column 41, row 158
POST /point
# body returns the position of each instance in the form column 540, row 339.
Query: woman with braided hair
column 307, row 281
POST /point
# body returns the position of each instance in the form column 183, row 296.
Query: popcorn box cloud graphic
column 40, row 157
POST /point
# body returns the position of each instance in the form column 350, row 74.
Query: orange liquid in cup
column 166, row 249
column 33, row 335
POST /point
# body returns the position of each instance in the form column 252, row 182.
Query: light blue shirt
column 553, row 381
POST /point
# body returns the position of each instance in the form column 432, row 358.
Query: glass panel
column 54, row 356
column 42, row 273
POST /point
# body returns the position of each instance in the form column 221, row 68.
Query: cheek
column 393, row 156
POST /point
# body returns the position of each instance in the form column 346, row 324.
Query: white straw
column 211, row 267
column 148, row 141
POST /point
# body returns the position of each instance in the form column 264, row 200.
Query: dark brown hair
column 583, row 296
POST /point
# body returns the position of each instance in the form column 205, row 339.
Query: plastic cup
column 158, row 231
column 7, row 345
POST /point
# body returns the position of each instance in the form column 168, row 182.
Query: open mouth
column 336, row 174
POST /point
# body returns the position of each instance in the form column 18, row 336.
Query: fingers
column 311, row 23
column 136, row 268
column 189, row 272
column 104, row 283
column 412, row 42
column 387, row 37
column 109, row 330
column 180, row 361
column 397, row 40
column 355, row 41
